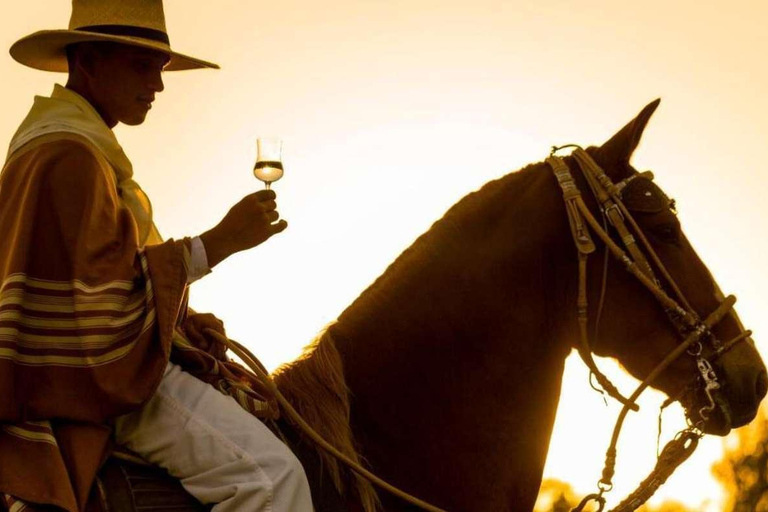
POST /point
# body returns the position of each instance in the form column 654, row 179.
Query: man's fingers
column 278, row 227
column 197, row 338
column 208, row 320
column 219, row 327
column 191, row 330
column 265, row 195
column 208, row 331
column 272, row 216
column 266, row 207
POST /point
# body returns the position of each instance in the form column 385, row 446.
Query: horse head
column 638, row 332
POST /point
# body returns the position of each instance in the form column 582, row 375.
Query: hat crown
column 147, row 14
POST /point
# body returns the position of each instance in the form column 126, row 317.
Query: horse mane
column 314, row 384
column 448, row 247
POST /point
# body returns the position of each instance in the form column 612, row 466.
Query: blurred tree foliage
column 743, row 472
column 557, row 496
column 744, row 468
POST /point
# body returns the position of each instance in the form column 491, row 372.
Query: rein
column 688, row 324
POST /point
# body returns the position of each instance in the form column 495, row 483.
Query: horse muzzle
column 735, row 403
column 717, row 421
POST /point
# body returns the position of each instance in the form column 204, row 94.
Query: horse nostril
column 761, row 386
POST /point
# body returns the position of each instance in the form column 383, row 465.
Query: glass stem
column 268, row 185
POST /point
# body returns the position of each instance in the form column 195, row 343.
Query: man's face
column 124, row 80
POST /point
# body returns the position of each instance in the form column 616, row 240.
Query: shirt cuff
column 198, row 261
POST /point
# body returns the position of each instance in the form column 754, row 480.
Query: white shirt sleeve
column 198, row 261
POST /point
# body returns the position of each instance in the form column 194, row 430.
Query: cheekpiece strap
column 571, row 195
column 608, row 196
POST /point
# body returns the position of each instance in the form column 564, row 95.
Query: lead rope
column 677, row 451
column 250, row 360
column 675, row 454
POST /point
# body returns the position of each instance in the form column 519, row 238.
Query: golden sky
column 391, row 110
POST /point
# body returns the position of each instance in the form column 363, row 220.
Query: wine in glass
column 269, row 161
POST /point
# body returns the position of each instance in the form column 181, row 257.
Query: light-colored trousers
column 219, row 452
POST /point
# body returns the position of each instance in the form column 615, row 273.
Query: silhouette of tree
column 667, row 506
column 743, row 470
column 557, row 496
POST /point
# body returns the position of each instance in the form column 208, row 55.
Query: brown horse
column 445, row 374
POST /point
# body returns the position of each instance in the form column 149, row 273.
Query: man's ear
column 81, row 58
column 615, row 154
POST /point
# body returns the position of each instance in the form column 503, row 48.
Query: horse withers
column 445, row 374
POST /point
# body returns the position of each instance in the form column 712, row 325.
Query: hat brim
column 46, row 50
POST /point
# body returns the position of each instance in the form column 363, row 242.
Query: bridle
column 693, row 331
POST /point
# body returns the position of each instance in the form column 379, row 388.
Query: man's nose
column 156, row 83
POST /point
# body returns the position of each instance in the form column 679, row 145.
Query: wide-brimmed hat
column 133, row 22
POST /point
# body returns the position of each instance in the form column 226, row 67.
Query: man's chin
column 134, row 121
column 135, row 118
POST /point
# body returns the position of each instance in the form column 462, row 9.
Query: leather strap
column 571, row 194
column 604, row 191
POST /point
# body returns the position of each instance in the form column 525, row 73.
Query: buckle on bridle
column 618, row 188
column 597, row 498
column 711, row 384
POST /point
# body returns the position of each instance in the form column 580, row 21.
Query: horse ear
column 619, row 149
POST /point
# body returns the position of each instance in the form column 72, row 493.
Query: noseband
column 692, row 330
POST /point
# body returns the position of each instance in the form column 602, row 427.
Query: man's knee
column 289, row 481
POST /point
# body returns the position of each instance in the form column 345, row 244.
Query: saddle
column 124, row 486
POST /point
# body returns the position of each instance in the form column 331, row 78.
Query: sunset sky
column 392, row 110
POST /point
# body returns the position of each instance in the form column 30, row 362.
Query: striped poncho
column 88, row 319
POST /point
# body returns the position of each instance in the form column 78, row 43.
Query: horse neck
column 455, row 364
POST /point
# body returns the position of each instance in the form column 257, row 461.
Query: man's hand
column 247, row 224
column 195, row 327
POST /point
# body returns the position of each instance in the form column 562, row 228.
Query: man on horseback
column 97, row 343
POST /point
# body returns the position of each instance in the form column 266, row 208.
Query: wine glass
column 269, row 164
